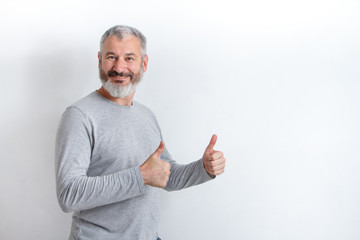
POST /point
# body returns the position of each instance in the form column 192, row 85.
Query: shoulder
column 89, row 106
column 91, row 101
column 81, row 109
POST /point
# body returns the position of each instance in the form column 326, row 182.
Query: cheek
column 135, row 68
column 106, row 65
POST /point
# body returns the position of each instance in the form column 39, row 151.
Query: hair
column 122, row 31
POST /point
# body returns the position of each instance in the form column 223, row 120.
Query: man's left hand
column 214, row 161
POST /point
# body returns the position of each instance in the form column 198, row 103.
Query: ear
column 145, row 63
column 99, row 57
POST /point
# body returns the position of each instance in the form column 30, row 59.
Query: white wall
column 278, row 81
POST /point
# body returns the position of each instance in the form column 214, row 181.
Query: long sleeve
column 185, row 175
column 100, row 146
column 76, row 190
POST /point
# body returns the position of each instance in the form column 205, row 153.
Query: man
column 111, row 161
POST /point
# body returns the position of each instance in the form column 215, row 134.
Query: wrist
column 143, row 173
column 207, row 170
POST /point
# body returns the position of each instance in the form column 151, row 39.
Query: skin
column 155, row 171
column 214, row 161
column 121, row 56
column 125, row 56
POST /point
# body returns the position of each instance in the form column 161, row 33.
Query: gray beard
column 119, row 91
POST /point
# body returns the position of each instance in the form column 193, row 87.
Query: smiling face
column 121, row 65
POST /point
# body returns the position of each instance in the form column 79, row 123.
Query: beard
column 116, row 90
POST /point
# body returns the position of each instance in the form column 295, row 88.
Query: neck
column 121, row 101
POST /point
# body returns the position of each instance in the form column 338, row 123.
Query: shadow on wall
column 52, row 77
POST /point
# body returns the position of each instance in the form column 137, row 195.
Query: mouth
column 120, row 76
column 119, row 81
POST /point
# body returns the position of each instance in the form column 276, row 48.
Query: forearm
column 81, row 192
column 187, row 175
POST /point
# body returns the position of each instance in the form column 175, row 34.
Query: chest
column 122, row 142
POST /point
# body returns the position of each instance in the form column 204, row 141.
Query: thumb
column 160, row 149
column 212, row 143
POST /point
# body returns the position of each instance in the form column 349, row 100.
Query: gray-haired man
column 110, row 167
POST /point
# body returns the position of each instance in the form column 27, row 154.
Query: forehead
column 127, row 44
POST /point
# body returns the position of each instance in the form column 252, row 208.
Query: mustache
column 120, row 74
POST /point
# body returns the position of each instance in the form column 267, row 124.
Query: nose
column 120, row 65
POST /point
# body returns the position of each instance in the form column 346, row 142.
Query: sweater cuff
column 139, row 179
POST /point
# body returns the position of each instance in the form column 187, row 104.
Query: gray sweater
column 99, row 148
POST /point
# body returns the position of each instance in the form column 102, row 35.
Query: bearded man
column 111, row 161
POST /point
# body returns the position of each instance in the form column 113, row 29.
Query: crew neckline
column 133, row 103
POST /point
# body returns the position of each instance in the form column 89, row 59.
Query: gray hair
column 122, row 31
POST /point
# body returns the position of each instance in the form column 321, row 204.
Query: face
column 121, row 65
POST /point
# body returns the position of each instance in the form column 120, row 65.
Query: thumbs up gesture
column 214, row 161
column 155, row 171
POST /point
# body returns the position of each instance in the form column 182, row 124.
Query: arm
column 166, row 173
column 185, row 175
column 75, row 190
column 203, row 170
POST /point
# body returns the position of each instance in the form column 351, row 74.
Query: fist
column 155, row 171
column 214, row 161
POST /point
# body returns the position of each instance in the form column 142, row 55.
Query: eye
column 110, row 57
column 130, row 59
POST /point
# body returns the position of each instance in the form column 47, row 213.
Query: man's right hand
column 155, row 171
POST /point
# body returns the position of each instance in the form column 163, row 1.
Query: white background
column 278, row 81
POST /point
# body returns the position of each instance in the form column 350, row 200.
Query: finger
column 216, row 155
column 212, row 142
column 216, row 162
column 160, row 149
column 218, row 172
column 219, row 167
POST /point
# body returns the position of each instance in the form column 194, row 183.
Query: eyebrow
column 127, row 54
column 109, row 53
